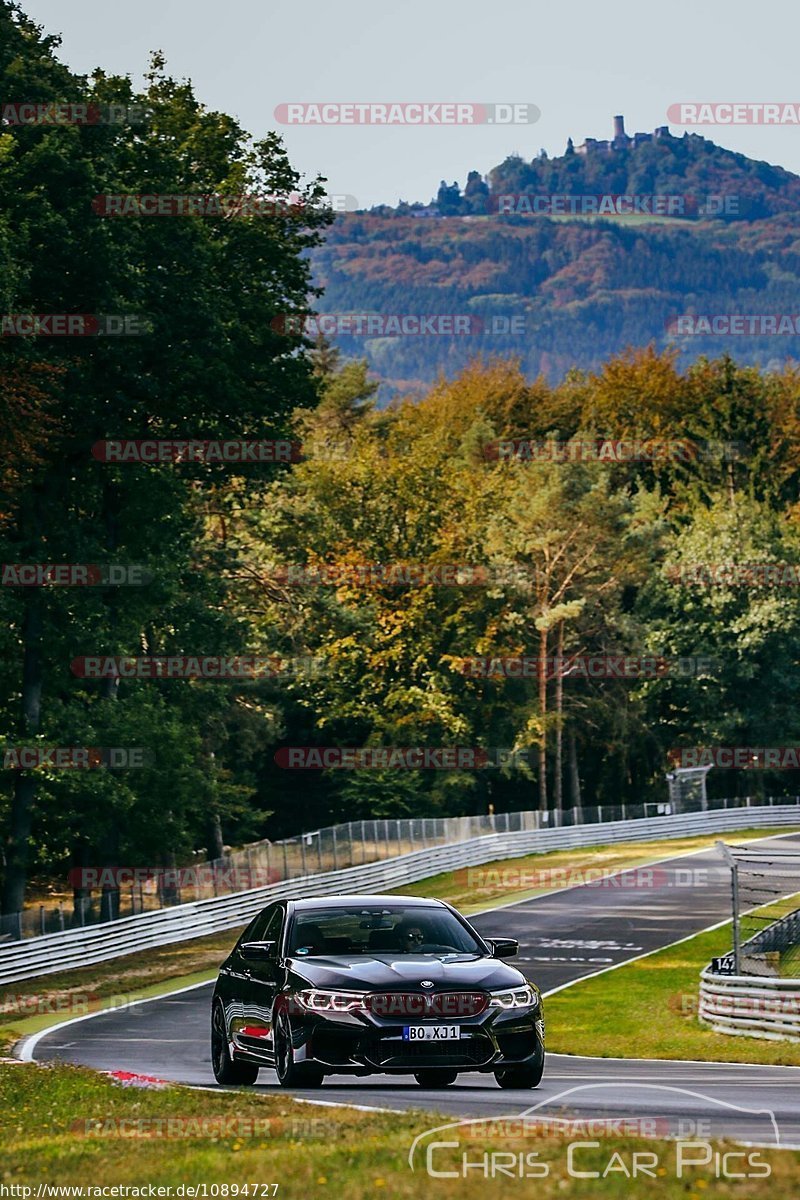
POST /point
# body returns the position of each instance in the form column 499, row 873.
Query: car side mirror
column 503, row 947
column 258, row 951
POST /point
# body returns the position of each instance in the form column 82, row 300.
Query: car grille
column 422, row 1005
column 392, row 1052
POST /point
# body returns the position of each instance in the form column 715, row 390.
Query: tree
column 213, row 365
column 448, row 199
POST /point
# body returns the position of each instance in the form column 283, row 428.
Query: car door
column 263, row 977
column 234, row 979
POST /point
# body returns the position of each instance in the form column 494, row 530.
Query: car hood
column 405, row 972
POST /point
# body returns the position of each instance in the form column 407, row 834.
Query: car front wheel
column 225, row 1069
column 526, row 1075
column 290, row 1073
column 435, row 1079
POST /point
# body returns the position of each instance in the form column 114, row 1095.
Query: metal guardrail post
column 335, row 857
column 734, row 866
column 737, row 947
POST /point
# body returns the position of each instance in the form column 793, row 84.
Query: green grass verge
column 648, row 1009
column 34, row 1004
column 70, row 1127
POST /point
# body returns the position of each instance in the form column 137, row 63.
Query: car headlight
column 319, row 1000
column 522, row 997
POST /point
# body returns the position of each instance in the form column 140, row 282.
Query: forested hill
column 691, row 168
column 560, row 290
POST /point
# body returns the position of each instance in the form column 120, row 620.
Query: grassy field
column 649, row 1009
column 68, row 1126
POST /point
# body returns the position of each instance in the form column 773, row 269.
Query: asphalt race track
column 564, row 936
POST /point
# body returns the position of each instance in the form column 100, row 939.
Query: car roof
column 348, row 901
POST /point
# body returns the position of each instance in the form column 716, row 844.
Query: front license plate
column 431, row 1033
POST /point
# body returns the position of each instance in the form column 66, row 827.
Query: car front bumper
column 360, row 1043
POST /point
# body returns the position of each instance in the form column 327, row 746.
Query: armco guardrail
column 99, row 943
column 747, row 1006
column 112, row 893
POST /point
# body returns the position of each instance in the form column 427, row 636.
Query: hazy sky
column 578, row 61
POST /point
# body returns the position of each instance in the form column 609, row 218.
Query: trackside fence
column 109, row 894
column 57, row 952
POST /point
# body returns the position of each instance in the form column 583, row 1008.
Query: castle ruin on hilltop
column 620, row 140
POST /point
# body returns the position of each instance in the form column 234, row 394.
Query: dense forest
column 401, row 547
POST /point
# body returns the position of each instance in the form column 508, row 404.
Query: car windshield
column 371, row 931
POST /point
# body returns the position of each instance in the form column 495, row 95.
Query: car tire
column 226, row 1069
column 526, row 1075
column 436, row 1078
column 290, row 1073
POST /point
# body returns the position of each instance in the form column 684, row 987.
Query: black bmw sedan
column 360, row 985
